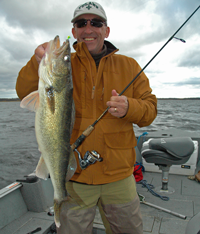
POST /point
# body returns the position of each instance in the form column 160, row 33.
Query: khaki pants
column 119, row 201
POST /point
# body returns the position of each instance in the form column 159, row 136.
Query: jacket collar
column 81, row 48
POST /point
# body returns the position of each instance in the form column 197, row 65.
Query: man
column 98, row 76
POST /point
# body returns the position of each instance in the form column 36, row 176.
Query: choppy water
column 18, row 147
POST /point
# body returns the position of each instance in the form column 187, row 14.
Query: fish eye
column 66, row 58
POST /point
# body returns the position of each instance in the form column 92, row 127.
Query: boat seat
column 165, row 152
column 168, row 151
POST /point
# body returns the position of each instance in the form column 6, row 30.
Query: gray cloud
column 40, row 15
column 191, row 81
column 191, row 58
column 26, row 24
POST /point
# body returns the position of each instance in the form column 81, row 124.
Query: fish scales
column 54, row 107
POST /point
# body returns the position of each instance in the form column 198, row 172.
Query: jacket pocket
column 119, row 154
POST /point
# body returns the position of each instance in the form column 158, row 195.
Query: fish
column 54, row 119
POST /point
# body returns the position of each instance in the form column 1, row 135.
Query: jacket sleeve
column 143, row 105
column 27, row 80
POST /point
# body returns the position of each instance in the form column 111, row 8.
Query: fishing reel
column 89, row 158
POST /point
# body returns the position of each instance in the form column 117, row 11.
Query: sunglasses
column 93, row 22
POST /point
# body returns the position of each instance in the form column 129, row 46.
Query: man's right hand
column 39, row 51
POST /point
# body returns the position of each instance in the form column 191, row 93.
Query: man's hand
column 39, row 51
column 118, row 105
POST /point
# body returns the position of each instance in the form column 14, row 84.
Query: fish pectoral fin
column 31, row 102
column 72, row 165
column 41, row 169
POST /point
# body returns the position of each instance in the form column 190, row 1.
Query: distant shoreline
column 10, row 100
column 197, row 98
column 18, row 100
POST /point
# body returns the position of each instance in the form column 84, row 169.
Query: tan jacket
column 113, row 138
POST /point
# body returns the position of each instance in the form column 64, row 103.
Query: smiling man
column 99, row 74
column 92, row 30
column 90, row 26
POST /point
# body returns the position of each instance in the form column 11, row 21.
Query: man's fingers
column 40, row 51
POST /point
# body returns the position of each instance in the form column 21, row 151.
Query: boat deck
column 185, row 200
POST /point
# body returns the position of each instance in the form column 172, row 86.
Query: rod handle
column 82, row 137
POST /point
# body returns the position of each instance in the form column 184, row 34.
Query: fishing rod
column 89, row 129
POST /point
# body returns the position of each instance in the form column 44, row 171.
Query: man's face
column 92, row 36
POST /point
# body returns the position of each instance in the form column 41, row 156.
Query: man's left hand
column 118, row 105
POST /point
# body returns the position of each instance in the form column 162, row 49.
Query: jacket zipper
column 93, row 90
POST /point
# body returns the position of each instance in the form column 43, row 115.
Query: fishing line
column 91, row 127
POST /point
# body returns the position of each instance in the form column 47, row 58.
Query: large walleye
column 54, row 107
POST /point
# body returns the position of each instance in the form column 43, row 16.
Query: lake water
column 18, row 147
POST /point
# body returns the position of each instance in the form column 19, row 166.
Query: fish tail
column 57, row 208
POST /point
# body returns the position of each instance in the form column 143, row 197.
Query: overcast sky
column 139, row 28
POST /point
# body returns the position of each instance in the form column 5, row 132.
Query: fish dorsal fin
column 72, row 165
column 41, row 169
column 31, row 102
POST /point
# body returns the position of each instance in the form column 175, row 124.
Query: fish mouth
column 56, row 42
column 59, row 50
column 55, row 50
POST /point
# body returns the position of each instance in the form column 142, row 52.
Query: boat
column 26, row 204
